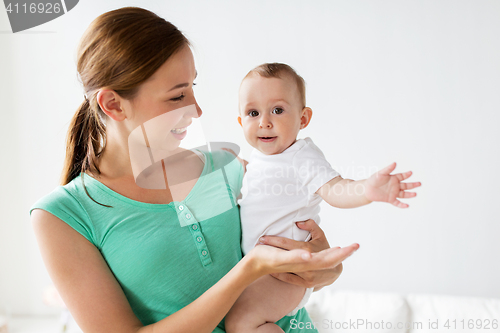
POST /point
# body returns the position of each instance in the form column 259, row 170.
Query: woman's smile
column 179, row 133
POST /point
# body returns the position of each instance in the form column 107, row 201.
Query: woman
column 130, row 258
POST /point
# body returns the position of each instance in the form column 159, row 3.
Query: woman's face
column 165, row 103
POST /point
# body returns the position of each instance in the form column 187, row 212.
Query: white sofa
column 352, row 311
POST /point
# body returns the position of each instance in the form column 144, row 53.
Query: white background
column 416, row 82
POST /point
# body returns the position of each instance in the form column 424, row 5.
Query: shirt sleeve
column 67, row 208
column 312, row 167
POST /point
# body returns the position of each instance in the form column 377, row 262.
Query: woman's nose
column 198, row 110
column 192, row 113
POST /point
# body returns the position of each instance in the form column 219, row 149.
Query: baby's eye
column 176, row 99
column 278, row 111
column 253, row 113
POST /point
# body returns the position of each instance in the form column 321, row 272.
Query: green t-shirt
column 163, row 255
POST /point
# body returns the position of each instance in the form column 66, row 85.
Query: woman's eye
column 278, row 111
column 180, row 98
column 253, row 113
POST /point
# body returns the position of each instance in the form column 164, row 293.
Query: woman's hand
column 318, row 242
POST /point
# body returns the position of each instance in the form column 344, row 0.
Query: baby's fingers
column 409, row 186
column 404, row 195
column 388, row 169
column 404, row 175
column 399, row 204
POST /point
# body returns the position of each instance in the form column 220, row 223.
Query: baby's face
column 271, row 113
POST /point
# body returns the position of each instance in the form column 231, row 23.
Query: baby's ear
column 239, row 121
column 305, row 118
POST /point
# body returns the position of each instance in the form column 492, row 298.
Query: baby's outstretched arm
column 381, row 186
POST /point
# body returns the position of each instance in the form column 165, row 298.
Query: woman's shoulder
column 65, row 203
column 65, row 195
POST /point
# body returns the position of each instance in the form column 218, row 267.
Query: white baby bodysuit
column 279, row 190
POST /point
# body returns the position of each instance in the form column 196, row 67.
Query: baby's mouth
column 267, row 138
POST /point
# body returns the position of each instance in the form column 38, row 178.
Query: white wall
column 415, row 82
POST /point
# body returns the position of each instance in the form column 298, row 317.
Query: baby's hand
column 384, row 187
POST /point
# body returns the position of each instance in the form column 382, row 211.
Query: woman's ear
column 306, row 116
column 109, row 101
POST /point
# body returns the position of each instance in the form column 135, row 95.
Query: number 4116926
column 33, row 8
column 471, row 324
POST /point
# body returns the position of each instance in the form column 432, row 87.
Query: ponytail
column 85, row 143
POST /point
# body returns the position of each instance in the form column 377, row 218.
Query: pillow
column 355, row 311
column 454, row 314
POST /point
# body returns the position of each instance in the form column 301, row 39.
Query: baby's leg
column 262, row 303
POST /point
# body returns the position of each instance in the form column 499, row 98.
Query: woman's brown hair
column 119, row 50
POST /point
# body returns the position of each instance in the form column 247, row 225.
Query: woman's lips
column 267, row 138
column 179, row 133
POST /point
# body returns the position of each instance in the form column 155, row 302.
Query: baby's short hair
column 277, row 70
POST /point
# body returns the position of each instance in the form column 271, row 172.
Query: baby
column 285, row 181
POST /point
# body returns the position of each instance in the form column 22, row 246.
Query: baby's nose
column 265, row 123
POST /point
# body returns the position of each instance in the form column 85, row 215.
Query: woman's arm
column 98, row 303
column 82, row 277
